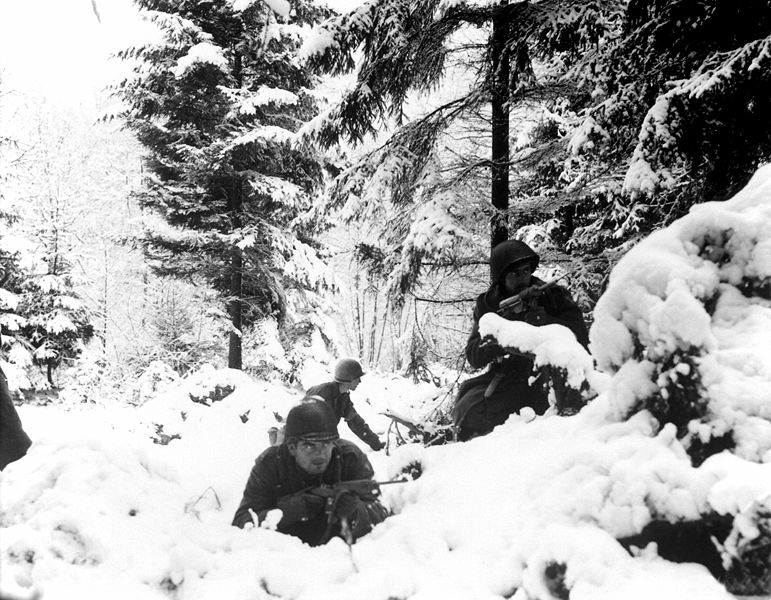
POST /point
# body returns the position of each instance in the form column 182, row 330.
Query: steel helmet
column 347, row 369
column 313, row 420
column 508, row 253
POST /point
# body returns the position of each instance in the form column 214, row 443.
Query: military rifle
column 365, row 489
column 526, row 299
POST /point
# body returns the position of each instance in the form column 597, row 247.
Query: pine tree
column 217, row 103
column 48, row 185
column 477, row 59
column 622, row 116
column 13, row 249
column 664, row 115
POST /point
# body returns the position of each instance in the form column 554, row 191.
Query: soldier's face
column 517, row 278
column 311, row 456
column 354, row 384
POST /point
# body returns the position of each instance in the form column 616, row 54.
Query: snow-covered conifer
column 217, row 103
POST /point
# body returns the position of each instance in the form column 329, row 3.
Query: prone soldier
column 305, row 478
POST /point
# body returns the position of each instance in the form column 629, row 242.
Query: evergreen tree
column 664, row 115
column 622, row 116
column 217, row 103
column 13, row 249
column 178, row 329
column 47, row 190
column 471, row 62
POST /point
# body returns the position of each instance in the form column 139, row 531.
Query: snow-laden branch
column 281, row 8
column 657, row 160
column 201, row 53
column 332, row 43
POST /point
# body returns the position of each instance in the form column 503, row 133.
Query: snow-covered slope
column 531, row 511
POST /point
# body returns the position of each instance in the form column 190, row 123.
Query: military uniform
column 275, row 475
column 343, row 406
column 485, row 401
column 14, row 442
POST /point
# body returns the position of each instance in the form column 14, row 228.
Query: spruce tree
column 667, row 113
column 471, row 63
column 217, row 103
column 49, row 322
column 622, row 115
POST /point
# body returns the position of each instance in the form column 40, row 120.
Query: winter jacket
column 558, row 307
column 14, row 442
column 505, row 388
column 275, row 474
column 343, row 406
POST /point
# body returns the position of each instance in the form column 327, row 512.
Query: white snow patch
column 202, row 53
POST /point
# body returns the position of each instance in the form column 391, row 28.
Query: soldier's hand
column 376, row 444
column 300, row 506
column 536, row 316
column 347, row 504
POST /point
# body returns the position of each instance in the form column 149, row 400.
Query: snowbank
column 533, row 510
column 686, row 320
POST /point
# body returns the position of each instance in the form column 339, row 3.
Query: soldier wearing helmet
column 348, row 374
column 487, row 400
column 311, row 455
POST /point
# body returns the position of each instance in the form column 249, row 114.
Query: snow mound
column 532, row 510
column 684, row 324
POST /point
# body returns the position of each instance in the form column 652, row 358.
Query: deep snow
column 97, row 510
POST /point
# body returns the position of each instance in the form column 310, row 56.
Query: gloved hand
column 300, row 506
column 376, row 444
column 347, row 504
column 535, row 316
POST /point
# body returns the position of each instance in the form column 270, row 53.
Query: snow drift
column 534, row 510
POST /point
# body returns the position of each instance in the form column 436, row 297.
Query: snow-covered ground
column 98, row 510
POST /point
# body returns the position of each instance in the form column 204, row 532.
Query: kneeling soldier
column 337, row 394
column 296, row 477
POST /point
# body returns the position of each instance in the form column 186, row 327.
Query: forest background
column 255, row 185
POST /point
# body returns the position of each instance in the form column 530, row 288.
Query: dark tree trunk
column 499, row 230
column 235, row 306
column 234, row 309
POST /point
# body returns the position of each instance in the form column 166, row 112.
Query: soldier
column 295, row 476
column 336, row 393
column 14, row 441
column 485, row 401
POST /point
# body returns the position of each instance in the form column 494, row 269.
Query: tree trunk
column 499, row 231
column 372, row 327
column 358, row 316
column 234, row 309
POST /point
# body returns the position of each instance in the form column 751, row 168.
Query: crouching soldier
column 299, row 478
column 485, row 401
column 336, row 393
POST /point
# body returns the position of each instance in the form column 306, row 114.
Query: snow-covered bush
column 684, row 326
column 540, row 508
column 156, row 378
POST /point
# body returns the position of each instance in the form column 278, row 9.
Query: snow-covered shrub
column 156, row 378
column 290, row 353
column 207, row 395
column 746, row 551
column 684, row 325
column 85, row 380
